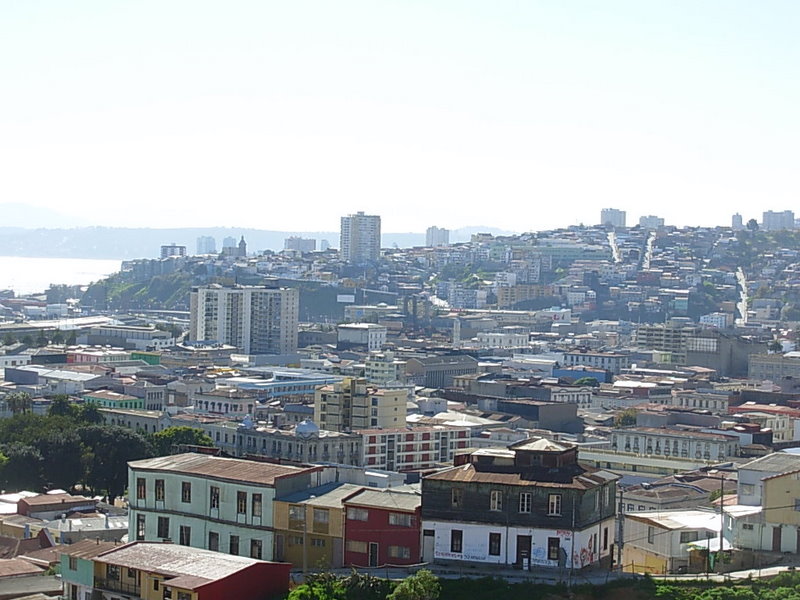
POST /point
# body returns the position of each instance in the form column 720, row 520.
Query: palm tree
column 19, row 402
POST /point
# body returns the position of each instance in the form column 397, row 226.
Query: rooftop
column 387, row 499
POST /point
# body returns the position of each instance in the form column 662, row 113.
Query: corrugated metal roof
column 587, row 479
column 231, row 469
column 88, row 548
column 329, row 495
column 387, row 499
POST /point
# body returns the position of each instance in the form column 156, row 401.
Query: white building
column 774, row 221
column 369, row 335
column 651, row 222
column 436, row 236
column 675, row 442
column 360, row 238
column 257, row 320
column 501, row 339
column 382, row 368
column 613, row 217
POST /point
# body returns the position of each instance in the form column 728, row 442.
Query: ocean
column 34, row 275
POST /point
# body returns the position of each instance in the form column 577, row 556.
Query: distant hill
column 128, row 243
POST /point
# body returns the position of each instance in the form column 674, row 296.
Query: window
column 184, row 596
column 494, row 544
column 241, row 503
column 297, row 513
column 399, row 552
column 256, row 505
column 400, row 519
column 320, row 516
column 163, row 527
column 160, row 490
column 156, row 583
column 553, row 548
column 112, row 572
column 141, row 488
column 688, row 536
column 456, row 497
column 185, row 535
column 605, row 538
column 255, row 549
column 318, row 542
column 357, row 514
column 496, row 500
column 73, row 563
column 525, row 502
column 554, row 505
column 797, row 503
column 140, row 527
column 357, row 547
column 748, row 489
column 650, row 535
column 233, row 545
column 186, row 491
column 213, row 541
column 214, row 497
column 456, row 538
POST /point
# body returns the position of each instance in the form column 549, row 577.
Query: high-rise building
column 737, row 224
column 613, row 217
column 437, row 236
column 257, row 320
column 229, row 242
column 360, row 240
column 172, row 249
column 300, row 244
column 206, row 245
column 651, row 222
column 354, row 404
column 774, row 221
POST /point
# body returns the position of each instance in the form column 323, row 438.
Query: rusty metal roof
column 215, row 467
column 582, row 478
column 88, row 548
column 387, row 499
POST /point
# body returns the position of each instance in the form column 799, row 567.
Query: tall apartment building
column 219, row 504
column 774, row 221
column 300, row 244
column 257, row 320
column 353, row 404
column 437, row 236
column 206, row 244
column 613, row 217
column 737, row 223
column 651, row 222
column 172, row 249
column 360, row 239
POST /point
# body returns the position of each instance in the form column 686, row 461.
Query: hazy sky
column 287, row 114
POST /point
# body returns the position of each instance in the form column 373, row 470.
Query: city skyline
column 288, row 116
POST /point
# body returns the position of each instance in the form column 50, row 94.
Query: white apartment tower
column 437, row 236
column 257, row 320
column 360, row 240
column 613, row 217
column 775, row 221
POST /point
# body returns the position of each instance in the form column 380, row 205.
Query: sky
column 522, row 115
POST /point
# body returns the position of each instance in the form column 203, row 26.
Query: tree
column 590, row 381
column 58, row 337
column 62, row 455
column 61, row 406
column 9, row 339
column 27, row 339
column 107, row 453
column 23, row 469
column 625, row 418
column 752, row 225
column 19, row 402
column 89, row 413
column 422, row 585
column 165, row 441
column 72, row 338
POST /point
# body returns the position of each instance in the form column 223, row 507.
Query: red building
column 382, row 528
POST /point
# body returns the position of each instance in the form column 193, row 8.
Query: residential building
column 309, row 526
column 670, row 339
column 206, row 244
column 750, row 489
column 353, row 404
column 651, row 222
column 382, row 528
column 360, row 238
column 382, row 368
column 128, row 337
column 531, row 505
column 172, row 250
column 220, row 504
column 361, row 335
column 109, row 399
column 613, row 362
column 412, row 448
column 776, row 220
column 683, row 443
column 300, row 244
column 774, row 367
column 613, row 217
column 255, row 319
column 436, row 236
column 662, row 542
column 737, row 223
column 151, row 570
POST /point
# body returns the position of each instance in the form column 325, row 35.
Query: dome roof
column 306, row 429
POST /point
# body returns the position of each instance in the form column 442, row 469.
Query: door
column 523, row 550
column 373, row 554
column 776, row 539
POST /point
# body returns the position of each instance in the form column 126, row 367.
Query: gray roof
column 777, row 462
column 388, row 500
column 329, row 495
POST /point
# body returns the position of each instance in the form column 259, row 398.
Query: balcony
column 114, row 585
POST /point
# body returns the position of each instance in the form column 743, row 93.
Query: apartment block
column 360, row 238
column 354, row 404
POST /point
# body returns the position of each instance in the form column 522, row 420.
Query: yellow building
column 353, row 404
column 309, row 526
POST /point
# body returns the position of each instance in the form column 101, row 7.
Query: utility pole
column 620, row 530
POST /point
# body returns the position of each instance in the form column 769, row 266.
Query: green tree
column 422, row 585
column 752, row 225
column 363, row 586
column 89, row 413
column 107, row 453
column 625, row 418
column 58, row 337
column 61, row 406
column 19, row 402
column 62, row 455
column 9, row 339
column 164, row 442
column 590, row 381
column 27, row 339
column 72, row 338
column 23, row 469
